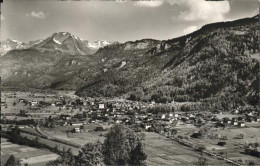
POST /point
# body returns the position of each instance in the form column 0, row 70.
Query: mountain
column 60, row 41
column 216, row 67
column 11, row 44
column 98, row 44
column 64, row 42
column 68, row 43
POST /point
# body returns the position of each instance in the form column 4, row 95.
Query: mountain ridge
column 81, row 46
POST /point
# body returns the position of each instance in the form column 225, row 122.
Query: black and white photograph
column 130, row 82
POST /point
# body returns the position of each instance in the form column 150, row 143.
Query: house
column 147, row 126
column 118, row 121
column 22, row 100
column 76, row 124
column 33, row 103
column 234, row 119
column 191, row 115
column 226, row 120
column 236, row 111
column 164, row 116
column 241, row 124
column 250, row 114
column 101, row 106
column 65, row 117
column 58, row 103
column 170, row 114
column 76, row 130
column 23, row 126
column 161, row 115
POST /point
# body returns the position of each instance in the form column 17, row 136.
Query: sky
column 118, row 20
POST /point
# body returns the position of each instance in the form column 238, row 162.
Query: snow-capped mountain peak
column 61, row 41
column 10, row 40
column 11, row 44
column 57, row 41
column 98, row 44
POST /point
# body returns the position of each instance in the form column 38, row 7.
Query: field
column 164, row 151
column 9, row 99
column 29, row 155
column 53, row 144
column 234, row 148
column 42, row 113
column 78, row 138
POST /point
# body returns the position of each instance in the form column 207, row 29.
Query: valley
column 190, row 100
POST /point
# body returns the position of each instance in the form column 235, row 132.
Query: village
column 69, row 121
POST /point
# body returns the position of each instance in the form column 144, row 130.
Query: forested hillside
column 218, row 64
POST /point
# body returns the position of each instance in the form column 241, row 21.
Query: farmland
column 164, row 151
column 78, row 138
column 29, row 155
column 234, row 148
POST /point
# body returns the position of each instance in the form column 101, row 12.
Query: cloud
column 210, row 11
column 190, row 29
column 2, row 18
column 40, row 15
column 149, row 3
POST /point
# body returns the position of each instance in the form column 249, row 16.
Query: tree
column 85, row 115
column 137, row 156
column 202, row 161
column 118, row 145
column 251, row 163
column 241, row 136
column 67, row 158
column 12, row 161
column 22, row 113
column 115, row 148
column 201, row 148
column 142, row 136
column 132, row 97
column 55, row 148
column 91, row 154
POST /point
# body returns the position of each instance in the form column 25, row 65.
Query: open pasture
column 23, row 153
column 234, row 148
column 164, row 151
column 79, row 138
